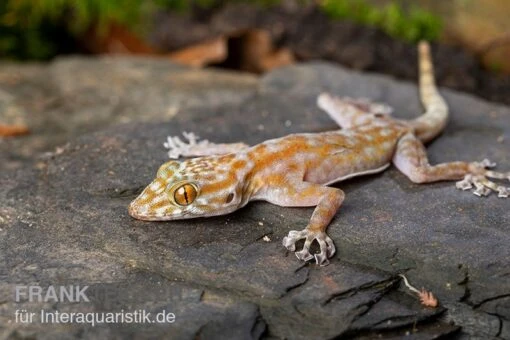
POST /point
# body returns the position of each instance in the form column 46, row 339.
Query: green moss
column 20, row 41
column 496, row 67
column 412, row 25
column 28, row 27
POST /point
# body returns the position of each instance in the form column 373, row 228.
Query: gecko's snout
column 135, row 210
column 142, row 211
column 132, row 210
column 143, row 206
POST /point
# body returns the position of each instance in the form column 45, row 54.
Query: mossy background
column 412, row 24
column 41, row 29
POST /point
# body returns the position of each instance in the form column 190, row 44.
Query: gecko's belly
column 348, row 165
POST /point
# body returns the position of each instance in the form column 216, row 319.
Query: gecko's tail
column 432, row 122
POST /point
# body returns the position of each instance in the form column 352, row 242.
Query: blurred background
column 259, row 35
column 42, row 29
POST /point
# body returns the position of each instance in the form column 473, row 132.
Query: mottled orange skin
column 294, row 171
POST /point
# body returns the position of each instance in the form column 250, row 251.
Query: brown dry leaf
column 255, row 45
column 257, row 53
column 199, row 55
column 279, row 58
column 13, row 130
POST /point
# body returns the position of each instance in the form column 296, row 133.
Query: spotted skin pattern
column 294, row 171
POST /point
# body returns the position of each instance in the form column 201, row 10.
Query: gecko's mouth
column 133, row 212
column 141, row 212
column 144, row 214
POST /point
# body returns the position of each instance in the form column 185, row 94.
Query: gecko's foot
column 177, row 147
column 477, row 179
column 193, row 148
column 327, row 248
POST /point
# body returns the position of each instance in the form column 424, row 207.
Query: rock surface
column 64, row 221
column 75, row 95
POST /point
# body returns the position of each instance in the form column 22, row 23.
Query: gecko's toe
column 465, row 184
column 503, row 192
column 497, row 175
column 327, row 249
column 290, row 240
column 481, row 191
column 321, row 259
column 330, row 246
column 304, row 255
column 289, row 244
column 487, row 164
column 296, row 235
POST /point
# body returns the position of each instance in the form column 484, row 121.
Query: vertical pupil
column 185, row 194
column 185, row 189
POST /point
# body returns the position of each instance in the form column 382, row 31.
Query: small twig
column 408, row 285
column 426, row 298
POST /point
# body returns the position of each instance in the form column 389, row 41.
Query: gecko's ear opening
column 230, row 197
column 168, row 169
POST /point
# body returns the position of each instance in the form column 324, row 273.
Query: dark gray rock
column 63, row 217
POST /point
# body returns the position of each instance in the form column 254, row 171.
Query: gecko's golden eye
column 185, row 194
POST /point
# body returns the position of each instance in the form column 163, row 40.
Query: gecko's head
column 197, row 187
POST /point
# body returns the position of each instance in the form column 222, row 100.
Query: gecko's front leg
column 327, row 201
column 326, row 209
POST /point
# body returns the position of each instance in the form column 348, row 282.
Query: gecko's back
column 328, row 157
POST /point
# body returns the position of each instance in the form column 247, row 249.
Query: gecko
column 297, row 170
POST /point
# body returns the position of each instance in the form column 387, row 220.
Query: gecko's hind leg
column 411, row 159
column 348, row 112
column 194, row 148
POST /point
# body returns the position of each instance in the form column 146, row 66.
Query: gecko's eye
column 185, row 194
